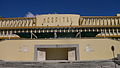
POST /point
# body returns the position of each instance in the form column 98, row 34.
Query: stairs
column 59, row 64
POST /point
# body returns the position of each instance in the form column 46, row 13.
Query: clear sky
column 18, row 8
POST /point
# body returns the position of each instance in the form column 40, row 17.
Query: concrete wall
column 90, row 49
column 58, row 20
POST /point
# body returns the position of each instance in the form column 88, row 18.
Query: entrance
column 59, row 52
column 56, row 53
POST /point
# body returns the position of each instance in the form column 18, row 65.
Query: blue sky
column 18, row 8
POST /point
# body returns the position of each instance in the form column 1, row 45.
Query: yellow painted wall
column 90, row 49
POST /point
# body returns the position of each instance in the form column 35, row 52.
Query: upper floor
column 60, row 20
column 60, row 26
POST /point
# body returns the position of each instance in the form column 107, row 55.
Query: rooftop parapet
column 58, row 20
column 17, row 22
column 118, row 14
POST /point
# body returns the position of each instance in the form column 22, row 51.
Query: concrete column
column 41, row 55
column 71, row 54
column 89, row 21
column 55, row 35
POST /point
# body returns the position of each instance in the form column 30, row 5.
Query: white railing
column 17, row 22
column 109, row 21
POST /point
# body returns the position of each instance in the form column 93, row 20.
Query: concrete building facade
column 59, row 37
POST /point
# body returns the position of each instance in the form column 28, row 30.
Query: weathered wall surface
column 90, row 49
column 58, row 20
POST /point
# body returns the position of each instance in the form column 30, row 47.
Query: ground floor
column 58, row 49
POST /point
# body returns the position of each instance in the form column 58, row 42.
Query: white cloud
column 29, row 14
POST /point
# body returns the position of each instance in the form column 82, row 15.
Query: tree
column 1, row 16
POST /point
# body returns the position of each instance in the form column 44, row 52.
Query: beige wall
column 90, row 49
column 58, row 20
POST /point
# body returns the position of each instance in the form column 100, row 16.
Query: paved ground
column 60, row 64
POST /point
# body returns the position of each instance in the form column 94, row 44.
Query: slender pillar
column 41, row 55
column 55, row 35
column 71, row 54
